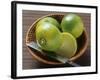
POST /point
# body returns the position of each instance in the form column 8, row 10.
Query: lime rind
column 73, row 24
column 49, row 20
column 48, row 37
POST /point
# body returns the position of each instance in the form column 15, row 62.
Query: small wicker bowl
column 82, row 42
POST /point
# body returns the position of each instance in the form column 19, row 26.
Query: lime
column 48, row 37
column 68, row 47
column 50, row 20
column 73, row 24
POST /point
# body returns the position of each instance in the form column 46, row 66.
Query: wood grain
column 30, row 62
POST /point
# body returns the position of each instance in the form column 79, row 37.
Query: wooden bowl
column 82, row 42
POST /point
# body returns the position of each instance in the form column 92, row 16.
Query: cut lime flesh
column 68, row 47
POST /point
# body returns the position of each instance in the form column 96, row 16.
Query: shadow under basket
column 82, row 42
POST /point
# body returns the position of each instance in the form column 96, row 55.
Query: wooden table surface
column 30, row 62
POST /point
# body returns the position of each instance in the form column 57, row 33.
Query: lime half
column 69, row 45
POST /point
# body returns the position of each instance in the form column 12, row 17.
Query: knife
column 64, row 60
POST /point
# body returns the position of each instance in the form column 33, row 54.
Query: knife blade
column 64, row 60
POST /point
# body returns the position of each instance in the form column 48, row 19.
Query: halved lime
column 68, row 47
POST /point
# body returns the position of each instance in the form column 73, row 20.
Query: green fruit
column 50, row 20
column 48, row 37
column 73, row 24
column 68, row 47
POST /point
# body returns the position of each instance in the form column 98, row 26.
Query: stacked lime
column 60, row 38
column 73, row 24
column 49, row 20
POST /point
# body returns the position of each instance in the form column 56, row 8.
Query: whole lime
column 50, row 20
column 48, row 37
column 73, row 24
column 68, row 47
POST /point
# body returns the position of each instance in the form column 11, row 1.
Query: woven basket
column 82, row 42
